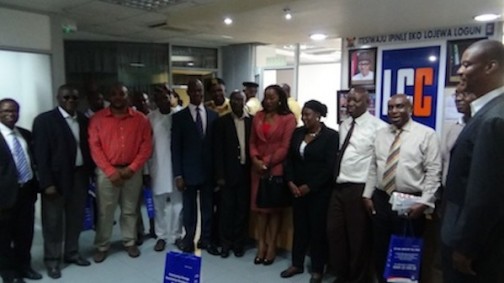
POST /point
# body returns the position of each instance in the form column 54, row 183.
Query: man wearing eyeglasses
column 64, row 167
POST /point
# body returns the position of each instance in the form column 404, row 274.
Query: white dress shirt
column 419, row 167
column 357, row 156
column 203, row 114
column 73, row 124
column 481, row 101
column 450, row 137
column 360, row 77
column 9, row 134
column 239, row 123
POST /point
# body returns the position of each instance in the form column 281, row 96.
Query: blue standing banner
column 182, row 268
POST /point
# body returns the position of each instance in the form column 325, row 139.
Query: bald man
column 473, row 222
column 406, row 159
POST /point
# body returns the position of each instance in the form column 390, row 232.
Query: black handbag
column 273, row 192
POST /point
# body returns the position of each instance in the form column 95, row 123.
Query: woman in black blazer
column 309, row 173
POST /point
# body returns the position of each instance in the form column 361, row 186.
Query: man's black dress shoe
column 239, row 252
column 31, row 274
column 224, row 252
column 213, row 250
column 54, row 272
column 186, row 248
column 78, row 260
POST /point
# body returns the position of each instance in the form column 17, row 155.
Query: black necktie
column 199, row 122
column 346, row 142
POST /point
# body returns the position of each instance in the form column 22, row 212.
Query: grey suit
column 473, row 222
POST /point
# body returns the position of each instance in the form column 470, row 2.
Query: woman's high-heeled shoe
column 258, row 260
column 268, row 261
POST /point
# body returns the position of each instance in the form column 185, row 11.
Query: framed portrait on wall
column 342, row 105
column 455, row 49
column 362, row 67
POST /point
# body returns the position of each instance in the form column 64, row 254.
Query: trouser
column 168, row 210
column 16, row 232
column 310, row 218
column 234, row 213
column 109, row 196
column 189, row 212
column 349, row 233
column 63, row 218
column 216, row 212
column 386, row 223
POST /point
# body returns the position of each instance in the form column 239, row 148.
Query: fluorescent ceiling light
column 228, row 21
column 318, row 36
column 487, row 17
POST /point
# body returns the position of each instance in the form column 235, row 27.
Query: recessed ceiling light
column 487, row 17
column 228, row 21
column 288, row 14
column 432, row 58
column 318, row 36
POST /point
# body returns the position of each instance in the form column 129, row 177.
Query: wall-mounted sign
column 416, row 73
column 477, row 31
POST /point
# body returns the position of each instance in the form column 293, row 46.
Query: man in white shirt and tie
column 18, row 193
column 348, row 224
column 406, row 159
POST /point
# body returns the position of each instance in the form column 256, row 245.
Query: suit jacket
column 473, row 221
column 272, row 150
column 56, row 149
column 191, row 154
column 9, row 186
column 316, row 167
column 228, row 151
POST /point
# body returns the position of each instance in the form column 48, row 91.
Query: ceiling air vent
column 147, row 5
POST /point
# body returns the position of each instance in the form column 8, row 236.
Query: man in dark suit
column 64, row 167
column 473, row 221
column 18, row 193
column 191, row 146
column 232, row 165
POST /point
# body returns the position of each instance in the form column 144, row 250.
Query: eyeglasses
column 73, row 97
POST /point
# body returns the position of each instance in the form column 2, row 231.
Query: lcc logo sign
column 414, row 72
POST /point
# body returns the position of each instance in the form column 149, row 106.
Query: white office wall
column 320, row 82
column 26, row 77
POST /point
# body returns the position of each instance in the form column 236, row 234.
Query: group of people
column 221, row 151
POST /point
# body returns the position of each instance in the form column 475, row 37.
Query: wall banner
column 416, row 73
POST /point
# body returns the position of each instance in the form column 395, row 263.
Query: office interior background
column 45, row 43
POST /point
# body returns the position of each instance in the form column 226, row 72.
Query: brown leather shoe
column 160, row 245
column 100, row 256
column 133, row 251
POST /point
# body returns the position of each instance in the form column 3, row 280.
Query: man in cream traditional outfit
column 167, row 199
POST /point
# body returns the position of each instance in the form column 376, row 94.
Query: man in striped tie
column 18, row 193
column 406, row 159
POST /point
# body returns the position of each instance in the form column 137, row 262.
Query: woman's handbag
column 273, row 192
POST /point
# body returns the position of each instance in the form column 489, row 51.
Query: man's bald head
column 195, row 91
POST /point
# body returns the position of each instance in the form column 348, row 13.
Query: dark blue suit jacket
column 473, row 221
column 191, row 154
column 9, row 186
column 56, row 149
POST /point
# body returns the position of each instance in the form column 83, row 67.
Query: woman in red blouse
column 269, row 142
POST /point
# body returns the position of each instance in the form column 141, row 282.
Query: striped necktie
column 22, row 166
column 389, row 182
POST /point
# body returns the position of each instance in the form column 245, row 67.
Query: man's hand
column 369, row 206
column 126, row 173
column 294, row 189
column 462, row 263
column 51, row 190
column 416, row 210
column 116, row 179
column 179, row 183
column 259, row 166
column 304, row 189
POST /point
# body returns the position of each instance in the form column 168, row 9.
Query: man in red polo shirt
column 121, row 142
